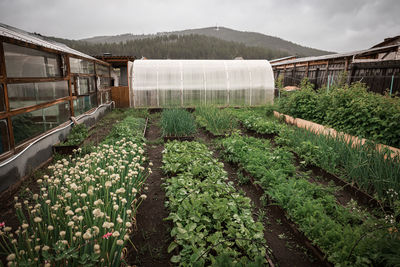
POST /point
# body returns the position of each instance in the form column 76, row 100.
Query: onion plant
column 177, row 122
column 217, row 121
column 374, row 171
column 85, row 209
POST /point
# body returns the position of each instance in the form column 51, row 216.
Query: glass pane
column 28, row 62
column 4, row 137
column 78, row 65
column 84, row 103
column 2, row 103
column 104, row 82
column 86, row 85
column 31, row 124
column 102, row 70
column 29, row 94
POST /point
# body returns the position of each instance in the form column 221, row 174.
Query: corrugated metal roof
column 331, row 56
column 18, row 34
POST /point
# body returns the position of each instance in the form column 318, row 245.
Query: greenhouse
column 190, row 83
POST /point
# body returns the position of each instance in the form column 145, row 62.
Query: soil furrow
column 152, row 235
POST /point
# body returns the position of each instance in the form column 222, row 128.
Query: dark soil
column 152, row 237
column 286, row 245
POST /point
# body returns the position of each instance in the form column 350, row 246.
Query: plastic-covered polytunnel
column 190, row 83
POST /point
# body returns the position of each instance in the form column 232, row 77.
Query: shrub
column 351, row 109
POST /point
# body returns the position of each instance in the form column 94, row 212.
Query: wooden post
column 307, row 67
column 294, row 74
column 71, row 102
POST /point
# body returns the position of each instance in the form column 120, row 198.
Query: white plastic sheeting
column 190, row 83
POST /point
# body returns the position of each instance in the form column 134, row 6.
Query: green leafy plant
column 338, row 230
column 76, row 136
column 351, row 109
column 212, row 222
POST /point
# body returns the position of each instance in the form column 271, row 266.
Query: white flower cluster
column 83, row 204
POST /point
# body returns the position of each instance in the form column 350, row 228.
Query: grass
column 177, row 122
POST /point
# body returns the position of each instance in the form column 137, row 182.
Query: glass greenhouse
column 190, row 83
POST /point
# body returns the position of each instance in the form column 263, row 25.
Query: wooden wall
column 120, row 95
column 376, row 75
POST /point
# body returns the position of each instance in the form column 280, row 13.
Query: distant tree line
column 176, row 47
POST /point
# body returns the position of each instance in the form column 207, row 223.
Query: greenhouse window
column 4, row 137
column 22, row 95
column 102, row 70
column 28, row 62
column 28, row 125
column 82, row 66
column 85, row 85
column 104, row 82
column 84, row 103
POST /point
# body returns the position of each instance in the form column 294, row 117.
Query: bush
column 351, row 109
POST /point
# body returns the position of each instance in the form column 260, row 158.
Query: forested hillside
column 176, row 47
column 225, row 34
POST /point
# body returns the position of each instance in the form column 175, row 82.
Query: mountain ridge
column 248, row 38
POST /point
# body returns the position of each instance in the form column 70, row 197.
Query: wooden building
column 121, row 79
column 377, row 67
column 42, row 85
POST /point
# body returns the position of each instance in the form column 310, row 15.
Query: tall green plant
column 215, row 120
column 177, row 122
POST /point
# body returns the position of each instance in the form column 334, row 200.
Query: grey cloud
column 336, row 25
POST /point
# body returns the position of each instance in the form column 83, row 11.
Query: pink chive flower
column 2, row 224
column 106, row 236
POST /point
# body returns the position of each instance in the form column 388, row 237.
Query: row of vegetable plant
column 255, row 120
column 212, row 223
column 86, row 206
column 76, row 136
column 215, row 120
column 351, row 109
column 375, row 172
column 348, row 235
column 177, row 122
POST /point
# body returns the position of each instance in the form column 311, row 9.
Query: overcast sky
column 334, row 25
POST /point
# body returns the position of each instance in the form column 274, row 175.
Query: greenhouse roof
column 18, row 34
column 339, row 55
